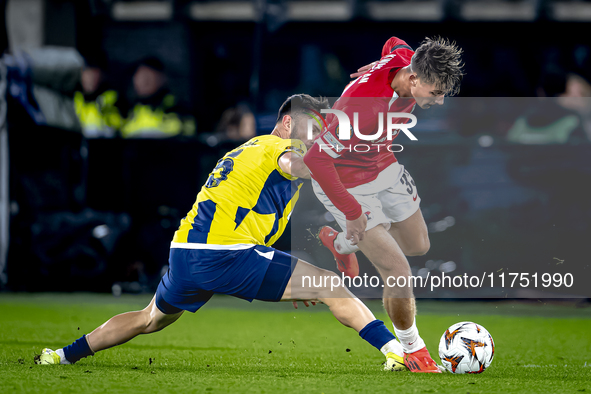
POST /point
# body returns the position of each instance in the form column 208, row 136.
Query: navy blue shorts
column 195, row 275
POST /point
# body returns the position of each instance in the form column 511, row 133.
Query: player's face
column 299, row 130
column 426, row 94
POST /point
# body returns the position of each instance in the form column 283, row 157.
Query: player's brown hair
column 438, row 61
column 300, row 104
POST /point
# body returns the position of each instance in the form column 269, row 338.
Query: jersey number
column 225, row 166
column 407, row 180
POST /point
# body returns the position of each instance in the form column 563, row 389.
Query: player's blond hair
column 438, row 61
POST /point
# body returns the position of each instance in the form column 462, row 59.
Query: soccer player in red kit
column 372, row 197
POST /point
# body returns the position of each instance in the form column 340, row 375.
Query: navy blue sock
column 376, row 334
column 77, row 350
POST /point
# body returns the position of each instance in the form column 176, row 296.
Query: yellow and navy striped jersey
column 247, row 198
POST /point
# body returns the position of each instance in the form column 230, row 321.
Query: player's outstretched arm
column 391, row 44
column 362, row 70
column 322, row 167
column 356, row 229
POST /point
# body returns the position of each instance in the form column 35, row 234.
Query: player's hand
column 356, row 229
column 295, row 303
column 362, row 70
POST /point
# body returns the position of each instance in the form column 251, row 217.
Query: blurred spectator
column 577, row 86
column 547, row 121
column 236, row 124
column 96, row 103
column 577, row 97
column 154, row 112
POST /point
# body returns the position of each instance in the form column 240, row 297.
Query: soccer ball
column 466, row 347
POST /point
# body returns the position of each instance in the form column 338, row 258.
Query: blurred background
column 114, row 112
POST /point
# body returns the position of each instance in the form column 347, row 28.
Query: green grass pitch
column 233, row 346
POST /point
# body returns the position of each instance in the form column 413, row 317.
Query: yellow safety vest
column 148, row 122
column 99, row 117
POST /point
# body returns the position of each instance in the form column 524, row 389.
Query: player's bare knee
column 419, row 249
column 145, row 321
column 155, row 325
column 153, row 319
column 393, row 271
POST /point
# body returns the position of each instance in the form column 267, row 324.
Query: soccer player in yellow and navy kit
column 223, row 245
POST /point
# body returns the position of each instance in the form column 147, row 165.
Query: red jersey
column 338, row 164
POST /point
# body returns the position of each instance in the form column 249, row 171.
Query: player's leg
column 346, row 308
column 382, row 206
column 116, row 331
column 347, row 261
column 342, row 250
column 412, row 235
column 385, row 254
column 401, row 205
column 161, row 312
column 126, row 326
